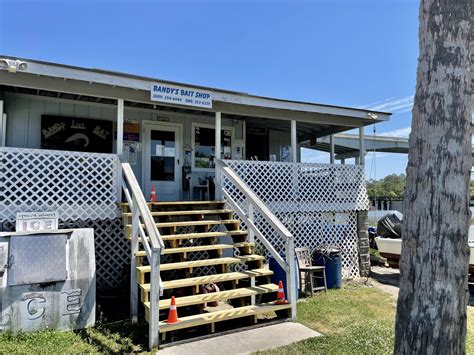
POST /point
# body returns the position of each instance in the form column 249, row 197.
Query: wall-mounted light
column 12, row 65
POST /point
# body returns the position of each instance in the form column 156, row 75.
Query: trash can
column 330, row 257
column 280, row 274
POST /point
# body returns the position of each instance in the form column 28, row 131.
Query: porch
column 170, row 144
column 83, row 141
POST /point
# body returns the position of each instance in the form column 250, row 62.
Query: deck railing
column 252, row 203
column 317, row 203
column 143, row 229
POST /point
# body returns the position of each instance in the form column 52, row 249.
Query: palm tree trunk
column 431, row 310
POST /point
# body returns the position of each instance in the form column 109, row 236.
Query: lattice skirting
column 112, row 250
column 313, row 229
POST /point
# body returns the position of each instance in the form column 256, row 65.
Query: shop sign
column 36, row 221
column 181, row 95
column 76, row 134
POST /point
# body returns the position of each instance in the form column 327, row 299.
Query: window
column 162, row 155
column 204, row 146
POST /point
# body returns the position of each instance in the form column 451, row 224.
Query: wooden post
column 251, row 235
column 218, row 136
column 331, row 149
column 361, row 146
column 217, row 194
column 2, row 126
column 290, row 275
column 154, row 316
column 119, row 127
column 133, row 263
column 294, row 153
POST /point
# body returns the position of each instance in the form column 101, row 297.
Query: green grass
column 354, row 320
column 119, row 337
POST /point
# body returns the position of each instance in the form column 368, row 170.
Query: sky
column 352, row 53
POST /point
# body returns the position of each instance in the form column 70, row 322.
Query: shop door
column 162, row 161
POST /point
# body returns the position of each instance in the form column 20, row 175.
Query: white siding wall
column 24, row 119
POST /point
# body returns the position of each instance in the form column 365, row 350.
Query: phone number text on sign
column 181, row 95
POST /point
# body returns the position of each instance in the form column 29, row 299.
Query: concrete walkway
column 247, row 341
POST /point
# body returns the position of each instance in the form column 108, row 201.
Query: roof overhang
column 97, row 82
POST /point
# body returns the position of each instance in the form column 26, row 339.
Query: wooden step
column 201, row 263
column 218, row 316
column 128, row 227
column 201, row 280
column 187, row 203
column 142, row 253
column 217, row 296
column 184, row 213
column 197, row 223
column 170, row 237
column 202, row 235
column 174, row 204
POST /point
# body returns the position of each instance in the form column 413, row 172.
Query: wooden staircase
column 205, row 245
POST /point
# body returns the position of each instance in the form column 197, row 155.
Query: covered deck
column 169, row 143
column 67, row 131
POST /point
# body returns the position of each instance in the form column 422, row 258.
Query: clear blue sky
column 358, row 53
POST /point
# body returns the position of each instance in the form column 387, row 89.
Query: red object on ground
column 153, row 194
column 281, row 294
column 173, row 313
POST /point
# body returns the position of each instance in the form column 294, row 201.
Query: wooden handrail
column 257, row 202
column 137, row 194
column 139, row 208
column 253, row 200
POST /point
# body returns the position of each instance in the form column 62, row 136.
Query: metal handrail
column 253, row 201
column 145, row 230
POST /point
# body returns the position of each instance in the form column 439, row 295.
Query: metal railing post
column 154, row 315
column 133, row 263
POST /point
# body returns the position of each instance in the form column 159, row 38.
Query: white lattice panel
column 77, row 185
column 316, row 202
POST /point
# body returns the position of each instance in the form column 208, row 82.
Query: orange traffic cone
column 173, row 313
column 153, row 194
column 281, row 294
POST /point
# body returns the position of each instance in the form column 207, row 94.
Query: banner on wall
column 181, row 95
column 76, row 134
column 131, row 130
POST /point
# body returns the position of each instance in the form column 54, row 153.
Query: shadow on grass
column 117, row 337
column 385, row 276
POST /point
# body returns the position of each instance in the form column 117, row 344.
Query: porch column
column 3, row 134
column 119, row 127
column 294, row 155
column 331, row 149
column 343, row 161
column 361, row 146
column 218, row 136
column 217, row 194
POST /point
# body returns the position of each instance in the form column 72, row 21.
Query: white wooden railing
column 252, row 203
column 143, row 229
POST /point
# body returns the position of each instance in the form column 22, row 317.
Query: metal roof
column 137, row 82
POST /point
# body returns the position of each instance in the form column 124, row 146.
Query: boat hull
column 391, row 250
